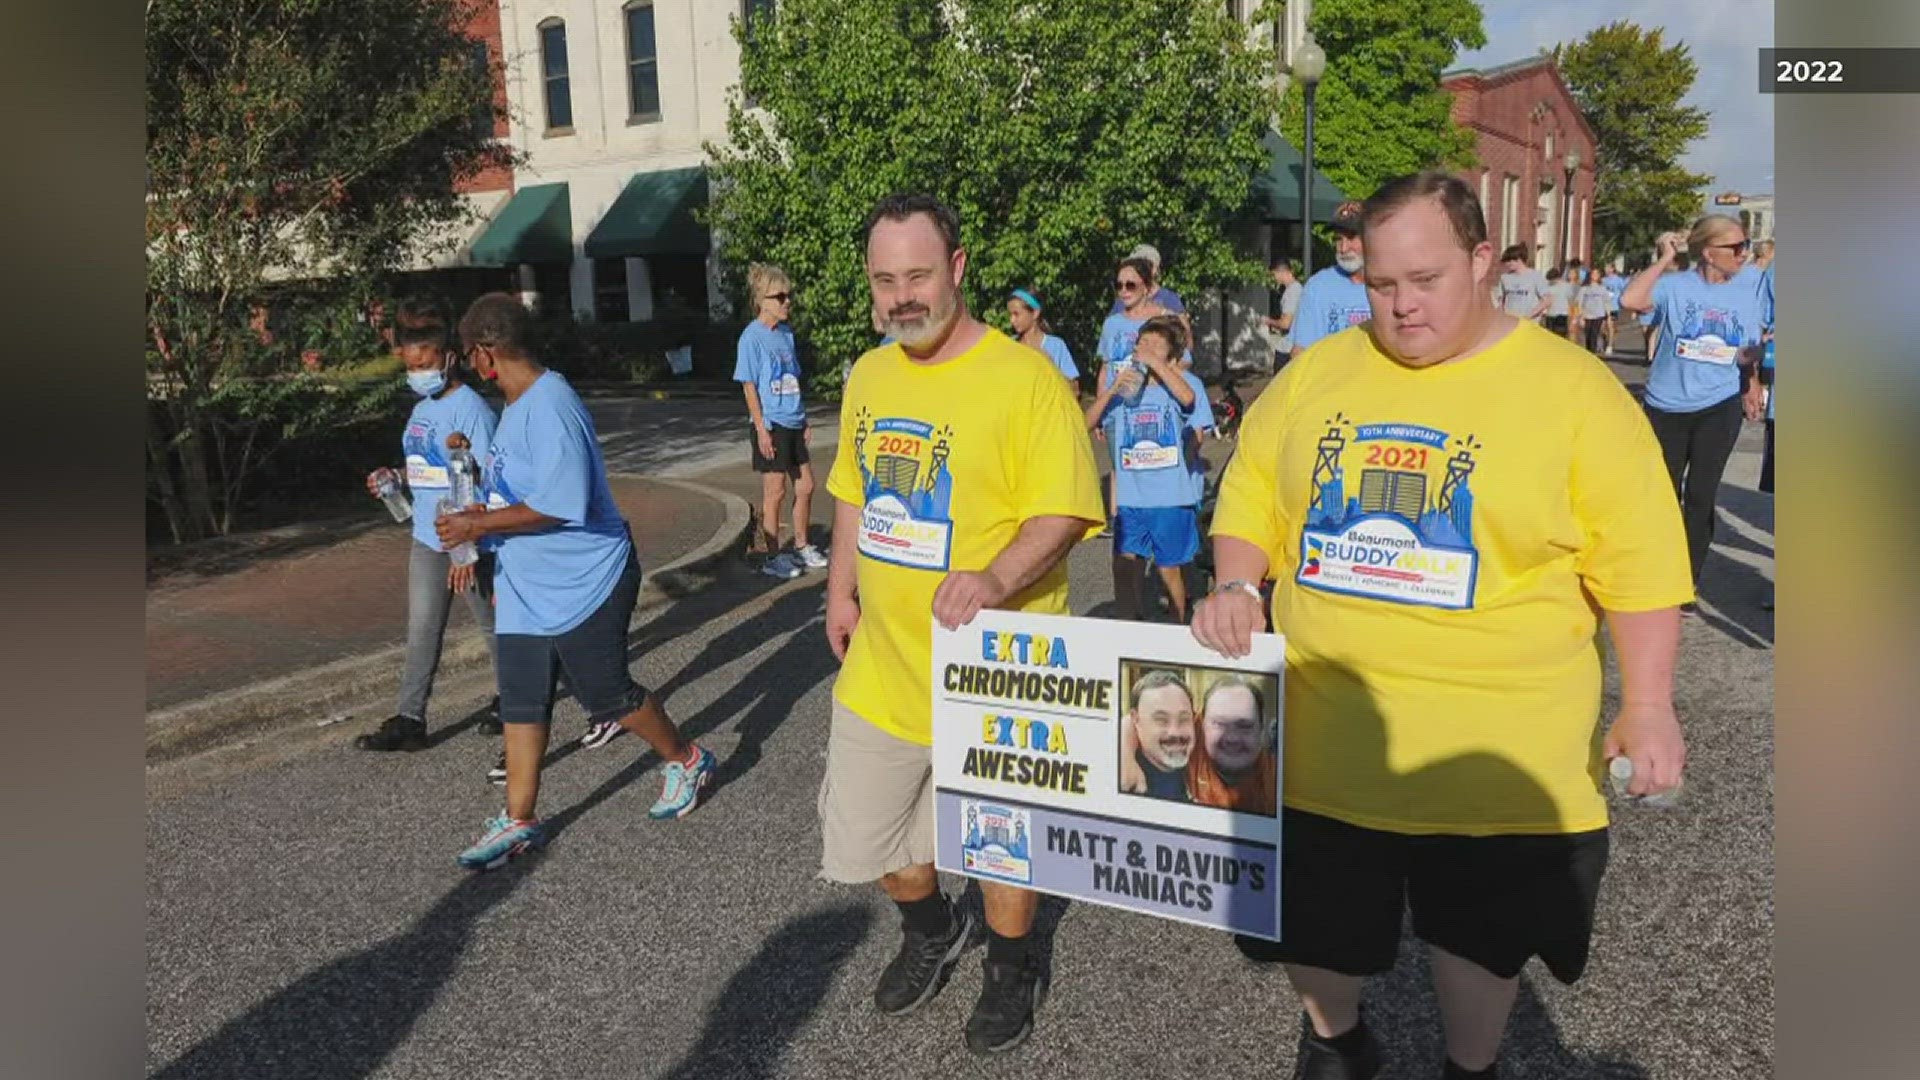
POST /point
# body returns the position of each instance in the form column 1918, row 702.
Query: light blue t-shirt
column 1615, row 286
column 1766, row 358
column 1330, row 302
column 1156, row 444
column 424, row 446
column 1117, row 336
column 1703, row 328
column 1061, row 356
column 545, row 455
column 766, row 358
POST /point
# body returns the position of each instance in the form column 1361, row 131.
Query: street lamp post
column 1309, row 63
column 1572, row 162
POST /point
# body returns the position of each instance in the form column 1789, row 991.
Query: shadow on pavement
column 340, row 1021
column 1731, row 593
column 769, row 1000
column 226, row 554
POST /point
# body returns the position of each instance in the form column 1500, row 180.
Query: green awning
column 1277, row 190
column 654, row 216
column 536, row 226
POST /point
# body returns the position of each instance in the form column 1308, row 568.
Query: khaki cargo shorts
column 876, row 802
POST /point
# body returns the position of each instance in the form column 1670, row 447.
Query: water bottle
column 397, row 502
column 460, row 477
column 1125, row 365
column 1620, row 772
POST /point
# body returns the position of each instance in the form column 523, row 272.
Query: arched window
column 553, row 76
column 643, row 63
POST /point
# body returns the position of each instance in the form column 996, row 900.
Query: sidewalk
column 238, row 617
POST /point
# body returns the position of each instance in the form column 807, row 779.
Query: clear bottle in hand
column 397, row 502
column 461, row 479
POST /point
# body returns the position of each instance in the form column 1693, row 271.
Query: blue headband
column 1027, row 298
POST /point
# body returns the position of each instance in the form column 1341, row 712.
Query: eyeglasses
column 1126, row 286
column 1738, row 249
column 780, row 297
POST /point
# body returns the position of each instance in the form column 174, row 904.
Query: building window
column 610, row 291
column 483, row 112
column 1486, row 209
column 553, row 73
column 1586, row 230
column 752, row 11
column 1509, row 211
column 643, row 63
column 1237, row 10
column 679, row 286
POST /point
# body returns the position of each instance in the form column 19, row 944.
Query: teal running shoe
column 504, row 839
column 683, row 787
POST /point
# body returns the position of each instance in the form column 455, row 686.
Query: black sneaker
column 922, row 965
column 1319, row 1059
column 396, row 733
column 1009, row 996
column 498, row 774
column 490, row 720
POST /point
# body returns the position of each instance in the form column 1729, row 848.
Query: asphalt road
column 306, row 919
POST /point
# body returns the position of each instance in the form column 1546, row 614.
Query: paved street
column 306, row 919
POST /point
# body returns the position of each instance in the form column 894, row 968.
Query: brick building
column 1527, row 128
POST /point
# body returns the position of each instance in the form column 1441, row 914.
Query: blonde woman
column 1701, row 385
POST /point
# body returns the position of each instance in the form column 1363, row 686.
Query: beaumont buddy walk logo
column 908, row 490
column 1405, row 533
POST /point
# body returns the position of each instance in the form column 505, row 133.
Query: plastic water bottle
column 1124, row 366
column 460, row 477
column 1620, row 772
column 397, row 502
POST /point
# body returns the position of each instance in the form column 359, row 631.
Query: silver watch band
column 1247, row 587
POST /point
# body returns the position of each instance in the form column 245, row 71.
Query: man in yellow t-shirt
column 963, row 478
column 1447, row 499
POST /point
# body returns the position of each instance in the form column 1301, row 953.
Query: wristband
column 1247, row 587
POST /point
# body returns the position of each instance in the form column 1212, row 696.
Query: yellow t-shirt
column 1443, row 541
column 947, row 461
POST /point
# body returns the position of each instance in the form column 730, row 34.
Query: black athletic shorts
column 1494, row 900
column 593, row 655
column 789, row 450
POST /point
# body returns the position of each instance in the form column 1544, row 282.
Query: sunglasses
column 1126, row 286
column 781, row 297
column 1738, row 249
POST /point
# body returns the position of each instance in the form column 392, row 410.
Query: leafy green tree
column 286, row 139
column 1062, row 132
column 1379, row 111
column 1629, row 83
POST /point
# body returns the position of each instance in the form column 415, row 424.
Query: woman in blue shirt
column 447, row 407
column 1700, row 387
column 1031, row 330
column 565, row 583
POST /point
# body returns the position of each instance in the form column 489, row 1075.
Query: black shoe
column 1689, row 608
column 490, row 720
column 1321, row 1060
column 396, row 733
column 921, row 967
column 1009, row 996
column 1258, row 950
column 498, row 774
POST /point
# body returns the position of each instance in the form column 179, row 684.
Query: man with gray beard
column 1335, row 298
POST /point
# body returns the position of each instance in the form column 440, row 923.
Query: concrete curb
column 359, row 683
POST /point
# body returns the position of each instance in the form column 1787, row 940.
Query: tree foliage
column 1379, row 112
column 286, row 139
column 1630, row 83
column 1063, row 133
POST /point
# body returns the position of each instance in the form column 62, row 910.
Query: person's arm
column 1226, row 619
column 1646, row 730
column 843, row 601
column 1041, row 542
column 458, row 528
column 1103, row 400
column 1638, row 296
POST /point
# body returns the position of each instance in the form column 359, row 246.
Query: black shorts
column 789, row 450
column 1493, row 900
column 594, row 655
column 1557, row 324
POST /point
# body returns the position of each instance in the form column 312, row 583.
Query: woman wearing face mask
column 446, row 406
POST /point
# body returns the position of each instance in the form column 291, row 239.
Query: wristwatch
column 1247, row 587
